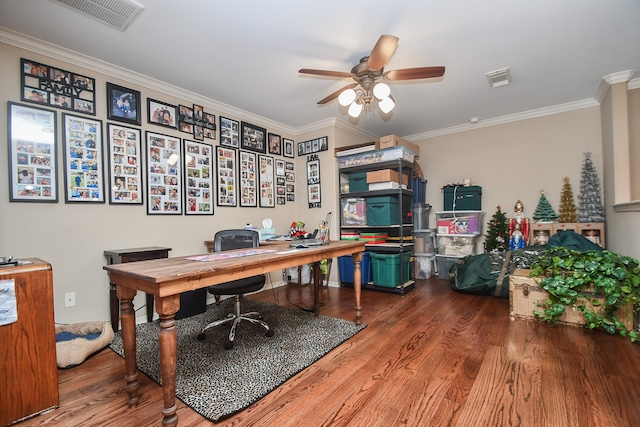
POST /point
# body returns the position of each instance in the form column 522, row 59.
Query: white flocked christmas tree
column 590, row 207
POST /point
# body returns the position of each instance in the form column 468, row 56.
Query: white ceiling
column 247, row 53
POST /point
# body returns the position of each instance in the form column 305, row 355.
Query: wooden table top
column 169, row 276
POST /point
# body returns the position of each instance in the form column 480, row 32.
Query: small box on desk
column 526, row 295
column 461, row 198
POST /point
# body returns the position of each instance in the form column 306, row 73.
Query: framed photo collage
column 169, row 175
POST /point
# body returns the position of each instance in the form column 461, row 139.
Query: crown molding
column 547, row 111
column 334, row 122
column 50, row 50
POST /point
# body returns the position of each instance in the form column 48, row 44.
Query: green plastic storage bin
column 358, row 182
column 382, row 211
column 385, row 269
column 460, row 198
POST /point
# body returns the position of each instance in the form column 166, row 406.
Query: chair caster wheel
column 201, row 336
column 270, row 333
column 228, row 345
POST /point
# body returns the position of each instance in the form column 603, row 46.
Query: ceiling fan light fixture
column 347, row 97
column 386, row 105
column 355, row 109
column 381, row 91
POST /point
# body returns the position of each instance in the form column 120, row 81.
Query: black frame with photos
column 229, row 132
column 133, row 113
column 198, row 178
column 55, row 87
column 253, row 138
column 288, row 147
column 275, row 143
column 164, row 193
column 34, row 154
column 125, row 165
column 83, row 159
column 267, row 180
column 153, row 106
column 226, row 179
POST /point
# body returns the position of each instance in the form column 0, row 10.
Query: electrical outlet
column 70, row 299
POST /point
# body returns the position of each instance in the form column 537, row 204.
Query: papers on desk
column 229, row 254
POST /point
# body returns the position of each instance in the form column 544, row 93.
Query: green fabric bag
column 483, row 274
column 573, row 241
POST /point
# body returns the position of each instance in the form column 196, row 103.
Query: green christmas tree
column 567, row 211
column 590, row 207
column 497, row 236
column 544, row 212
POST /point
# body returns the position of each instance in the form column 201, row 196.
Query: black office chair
column 237, row 239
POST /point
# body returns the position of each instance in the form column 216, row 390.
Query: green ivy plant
column 570, row 276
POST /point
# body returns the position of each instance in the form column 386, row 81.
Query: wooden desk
column 119, row 256
column 167, row 278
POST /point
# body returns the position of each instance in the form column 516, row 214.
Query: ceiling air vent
column 499, row 78
column 117, row 14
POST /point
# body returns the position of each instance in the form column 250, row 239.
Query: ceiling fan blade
column 382, row 52
column 414, row 73
column 325, row 73
column 337, row 93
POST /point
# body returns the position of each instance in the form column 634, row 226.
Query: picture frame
column 226, row 181
column 288, row 149
column 125, row 166
column 280, row 167
column 248, row 179
column 164, row 174
column 83, row 159
column 290, row 177
column 123, row 104
column 253, row 138
column 280, row 180
column 198, row 178
column 289, row 166
column 209, row 126
column 313, row 182
column 162, row 114
column 313, row 146
column 267, row 181
column 33, row 148
column 185, row 119
column 275, row 143
column 55, row 87
column 281, row 200
column 229, row 132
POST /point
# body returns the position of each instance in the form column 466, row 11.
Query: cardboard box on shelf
column 389, row 141
column 385, row 175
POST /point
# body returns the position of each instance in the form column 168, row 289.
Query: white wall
column 514, row 161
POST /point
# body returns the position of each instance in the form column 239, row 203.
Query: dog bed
column 76, row 342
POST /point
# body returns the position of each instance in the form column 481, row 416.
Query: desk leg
column 114, row 307
column 167, row 308
column 150, row 300
column 317, row 288
column 357, row 283
column 128, row 320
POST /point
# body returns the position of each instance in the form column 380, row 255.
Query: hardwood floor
column 434, row 357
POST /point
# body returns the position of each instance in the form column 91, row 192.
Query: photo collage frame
column 198, row 178
column 125, row 165
column 83, row 162
column 164, row 176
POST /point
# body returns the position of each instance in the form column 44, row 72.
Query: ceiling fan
column 368, row 89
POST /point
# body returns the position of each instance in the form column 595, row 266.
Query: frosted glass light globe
column 381, row 91
column 355, row 109
column 386, row 105
column 347, row 97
